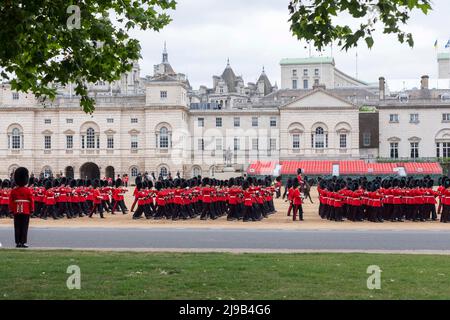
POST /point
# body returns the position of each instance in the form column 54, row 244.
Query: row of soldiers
column 380, row 200
column 237, row 199
column 68, row 198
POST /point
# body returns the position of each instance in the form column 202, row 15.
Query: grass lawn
column 107, row 275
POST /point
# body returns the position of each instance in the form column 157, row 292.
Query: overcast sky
column 255, row 33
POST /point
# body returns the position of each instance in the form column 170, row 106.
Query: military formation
column 67, row 198
column 237, row 199
column 379, row 200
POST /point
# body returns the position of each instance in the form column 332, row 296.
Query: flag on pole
column 447, row 45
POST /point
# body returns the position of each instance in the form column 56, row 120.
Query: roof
column 267, row 85
column 262, row 168
column 443, row 56
column 346, row 167
column 311, row 60
column 230, row 78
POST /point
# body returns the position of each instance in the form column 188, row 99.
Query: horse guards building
column 161, row 124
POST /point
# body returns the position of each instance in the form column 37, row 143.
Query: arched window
column 164, row 138
column 134, row 172
column 90, row 138
column 16, row 139
column 319, row 138
column 163, row 172
column 196, row 171
column 47, row 172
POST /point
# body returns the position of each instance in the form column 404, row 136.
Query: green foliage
column 313, row 20
column 39, row 49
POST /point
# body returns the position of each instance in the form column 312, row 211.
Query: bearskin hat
column 21, row 176
column 5, row 184
column 118, row 183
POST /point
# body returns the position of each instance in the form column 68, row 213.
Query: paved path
column 233, row 240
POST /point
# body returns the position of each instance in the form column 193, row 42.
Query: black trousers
column 21, row 223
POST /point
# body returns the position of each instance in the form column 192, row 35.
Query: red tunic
column 21, row 201
column 296, row 197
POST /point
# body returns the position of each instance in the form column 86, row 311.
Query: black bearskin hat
column 21, row 176
column 118, row 183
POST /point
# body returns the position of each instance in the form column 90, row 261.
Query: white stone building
column 415, row 124
column 305, row 73
column 160, row 124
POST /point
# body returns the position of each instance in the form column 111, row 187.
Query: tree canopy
column 315, row 20
column 48, row 42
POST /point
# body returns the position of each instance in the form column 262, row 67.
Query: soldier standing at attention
column 21, row 205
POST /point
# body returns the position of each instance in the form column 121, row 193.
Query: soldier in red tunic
column 21, row 205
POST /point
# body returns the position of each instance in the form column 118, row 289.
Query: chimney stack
column 382, row 88
column 424, row 82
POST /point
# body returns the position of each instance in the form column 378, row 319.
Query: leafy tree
column 44, row 42
column 313, row 20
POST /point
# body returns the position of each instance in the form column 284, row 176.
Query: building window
column 316, row 82
column 109, row 120
column 236, row 145
column 15, row 96
column 134, row 142
column 69, row 121
column 163, row 172
column 366, row 139
column 47, row 172
column 394, row 150
column 218, row 144
column 237, row 122
column 134, row 172
column 316, row 72
column 294, row 84
column 319, row 138
column 305, row 72
column 134, row 120
column 201, row 122
column 163, row 138
column 414, row 150
column 446, row 117
column 414, row 118
column 47, row 142
column 446, row 149
column 273, row 121
column 163, row 94
column 296, row 141
column 16, row 139
column 273, row 144
column 343, row 141
column 255, row 144
column 47, row 121
column 110, row 142
column 393, row 118
column 218, row 122
column 90, row 138
column 69, row 142
column 254, row 121
column 201, row 144
column 294, row 72
column 305, row 84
